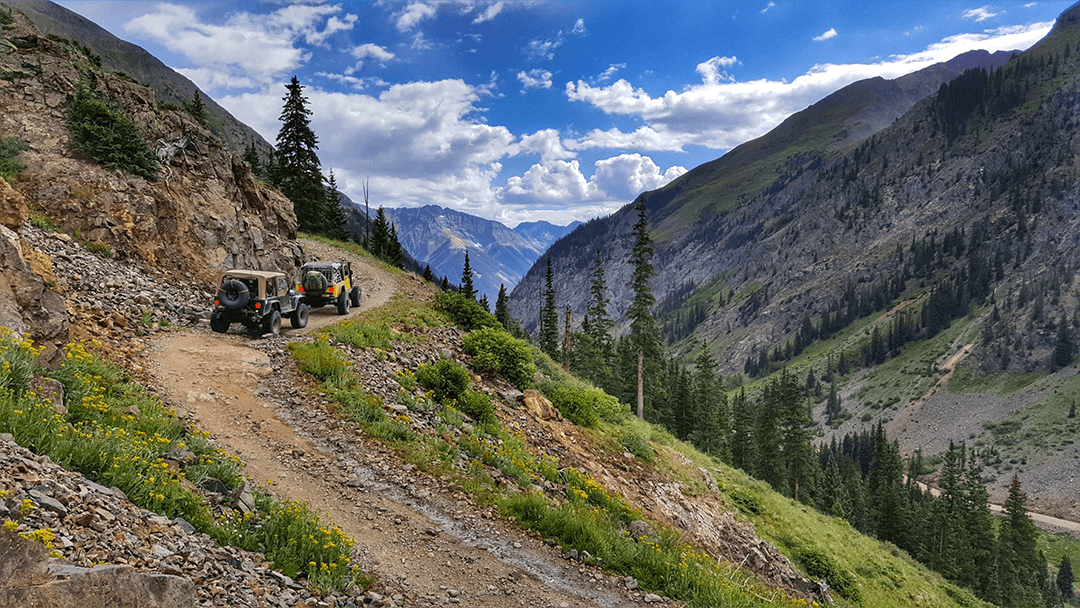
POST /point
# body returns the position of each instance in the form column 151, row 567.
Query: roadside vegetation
column 117, row 434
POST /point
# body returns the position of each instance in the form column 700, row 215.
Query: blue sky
column 561, row 111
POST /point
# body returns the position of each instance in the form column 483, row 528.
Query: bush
column 105, row 133
column 319, row 359
column 478, row 406
column 446, row 378
column 638, row 446
column 465, row 312
column 820, row 566
column 496, row 352
column 581, row 403
column 10, row 147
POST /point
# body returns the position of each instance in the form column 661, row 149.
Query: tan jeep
column 258, row 299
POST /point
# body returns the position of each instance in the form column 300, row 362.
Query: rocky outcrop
column 205, row 211
column 27, row 305
column 29, row 578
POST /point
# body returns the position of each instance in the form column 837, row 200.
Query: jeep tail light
column 258, row 305
column 217, row 302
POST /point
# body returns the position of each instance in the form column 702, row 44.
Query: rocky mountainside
column 961, row 215
column 204, row 211
column 498, row 255
column 123, row 57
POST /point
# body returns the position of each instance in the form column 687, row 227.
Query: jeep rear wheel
column 219, row 325
column 343, row 303
column 354, row 295
column 272, row 323
column 233, row 294
column 299, row 317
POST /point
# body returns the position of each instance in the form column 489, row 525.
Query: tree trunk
column 640, row 385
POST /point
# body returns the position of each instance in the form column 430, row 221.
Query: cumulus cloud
column 721, row 112
column 579, row 27
column 410, row 17
column 981, row 14
column 535, row 79
column 369, row 51
column 829, row 34
column 246, row 51
column 546, row 142
column 625, row 176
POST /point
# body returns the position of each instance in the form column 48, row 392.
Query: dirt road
column 425, row 542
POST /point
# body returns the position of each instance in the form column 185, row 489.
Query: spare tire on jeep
column 314, row 281
column 233, row 294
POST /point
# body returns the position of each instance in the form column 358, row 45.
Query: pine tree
column 743, row 442
column 1018, row 557
column 1065, row 578
column 197, row 109
column 333, row 221
column 467, row 288
column 484, row 303
column 296, row 172
column 885, row 490
column 712, row 424
column 644, row 333
column 429, row 275
column 380, row 235
column 596, row 351
column 395, row 254
column 1065, row 347
column 548, row 337
column 797, row 452
column 251, row 156
column 502, row 307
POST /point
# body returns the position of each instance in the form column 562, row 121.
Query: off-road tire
column 354, row 295
column 299, row 317
column 343, row 303
column 272, row 323
column 233, row 294
column 219, row 325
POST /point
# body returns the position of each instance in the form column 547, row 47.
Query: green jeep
column 259, row 300
column 323, row 283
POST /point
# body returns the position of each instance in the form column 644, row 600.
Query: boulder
column 14, row 210
column 539, row 407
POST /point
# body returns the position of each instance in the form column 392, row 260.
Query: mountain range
column 498, row 255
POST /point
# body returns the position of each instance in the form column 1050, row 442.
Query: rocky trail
column 426, row 544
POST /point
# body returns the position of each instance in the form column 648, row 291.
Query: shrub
column 105, row 133
column 10, row 147
column 361, row 334
column 496, row 352
column 638, row 446
column 820, row 566
column 465, row 312
column 478, row 406
column 581, row 403
column 446, row 378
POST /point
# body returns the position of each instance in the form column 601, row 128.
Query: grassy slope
column 884, row 575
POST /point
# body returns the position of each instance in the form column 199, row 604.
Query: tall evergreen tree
column 797, row 453
column 467, row 288
column 596, row 351
column 712, row 428
column 297, row 170
column 644, row 333
column 885, row 490
column 333, row 221
column 1064, row 347
column 1065, row 578
column 548, row 337
column 395, row 254
column 379, row 243
column 251, row 155
column 1019, row 560
column 743, row 442
column 502, row 307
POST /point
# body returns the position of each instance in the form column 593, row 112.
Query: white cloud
column 721, row 113
column 546, row 142
column 768, row 6
column 625, row 176
column 610, row 72
column 711, row 71
column 579, row 27
column 489, row 13
column 543, row 49
column 829, row 34
column 981, row 14
column 535, row 79
column 370, row 51
column 248, row 50
column 415, row 12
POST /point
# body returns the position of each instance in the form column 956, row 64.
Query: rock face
column 27, row 578
column 204, row 212
column 27, row 305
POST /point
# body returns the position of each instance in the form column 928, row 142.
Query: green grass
column 967, row 380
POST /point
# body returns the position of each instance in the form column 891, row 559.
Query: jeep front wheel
column 354, row 295
column 272, row 323
column 343, row 303
column 299, row 317
column 219, row 325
